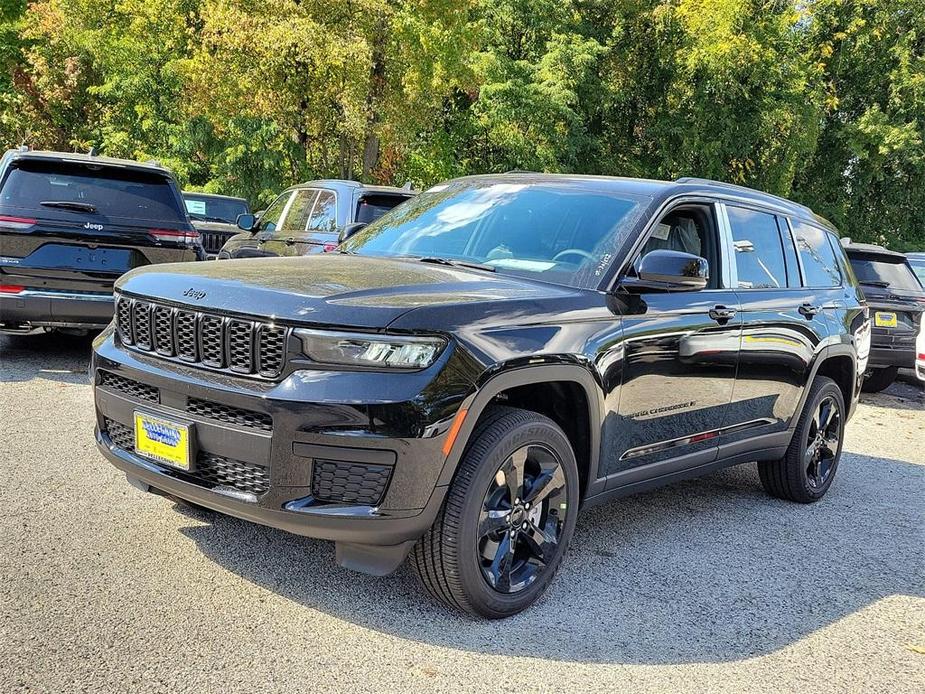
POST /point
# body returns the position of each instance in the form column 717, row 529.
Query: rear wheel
column 806, row 472
column 876, row 380
column 507, row 519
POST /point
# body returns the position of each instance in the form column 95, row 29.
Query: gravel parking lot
column 708, row 585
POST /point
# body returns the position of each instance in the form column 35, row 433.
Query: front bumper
column 310, row 431
column 50, row 308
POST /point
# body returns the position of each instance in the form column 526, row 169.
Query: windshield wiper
column 457, row 263
column 70, row 205
column 875, row 283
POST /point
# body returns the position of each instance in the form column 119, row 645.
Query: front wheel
column 507, row 518
column 806, row 472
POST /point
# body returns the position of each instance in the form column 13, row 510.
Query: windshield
column 885, row 274
column 91, row 192
column 564, row 232
column 209, row 209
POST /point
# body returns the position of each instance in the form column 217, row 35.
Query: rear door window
column 820, row 268
column 60, row 190
column 324, row 215
column 759, row 252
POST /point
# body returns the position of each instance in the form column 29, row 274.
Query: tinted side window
column 820, row 269
column 324, row 214
column 759, row 254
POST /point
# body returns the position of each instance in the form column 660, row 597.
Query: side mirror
column 669, row 271
column 246, row 222
column 349, row 231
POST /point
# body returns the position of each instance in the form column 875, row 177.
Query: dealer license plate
column 162, row 440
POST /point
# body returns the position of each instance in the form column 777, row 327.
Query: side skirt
column 768, row 447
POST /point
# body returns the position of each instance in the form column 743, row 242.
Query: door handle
column 808, row 310
column 721, row 314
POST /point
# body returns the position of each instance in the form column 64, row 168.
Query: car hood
column 330, row 289
column 226, row 227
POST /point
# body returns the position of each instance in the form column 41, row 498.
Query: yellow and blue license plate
column 162, row 440
column 885, row 319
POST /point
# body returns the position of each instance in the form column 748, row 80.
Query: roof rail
column 24, row 147
column 733, row 186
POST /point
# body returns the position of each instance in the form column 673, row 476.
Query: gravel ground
column 707, row 585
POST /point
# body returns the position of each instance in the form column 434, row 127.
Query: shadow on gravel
column 901, row 395
column 702, row 571
column 51, row 356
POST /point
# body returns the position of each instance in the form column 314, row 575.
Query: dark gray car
column 311, row 218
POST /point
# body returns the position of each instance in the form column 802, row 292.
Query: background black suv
column 484, row 360
column 70, row 224
column 215, row 218
column 897, row 304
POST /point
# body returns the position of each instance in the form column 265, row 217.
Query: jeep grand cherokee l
column 477, row 365
column 70, row 224
column 215, row 217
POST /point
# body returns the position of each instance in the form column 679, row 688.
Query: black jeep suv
column 71, row 224
column 896, row 301
column 478, row 364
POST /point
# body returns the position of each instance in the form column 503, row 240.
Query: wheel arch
column 838, row 362
column 524, row 387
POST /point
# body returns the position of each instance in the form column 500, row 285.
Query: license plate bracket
column 164, row 440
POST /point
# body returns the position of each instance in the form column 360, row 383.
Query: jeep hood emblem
column 194, row 293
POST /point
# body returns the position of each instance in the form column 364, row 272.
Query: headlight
column 371, row 351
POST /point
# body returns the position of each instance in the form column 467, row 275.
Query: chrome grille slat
column 200, row 338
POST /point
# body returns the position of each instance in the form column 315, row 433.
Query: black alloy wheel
column 507, row 517
column 823, row 440
column 522, row 518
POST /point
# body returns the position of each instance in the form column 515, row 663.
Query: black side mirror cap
column 669, row 271
column 246, row 222
column 349, row 231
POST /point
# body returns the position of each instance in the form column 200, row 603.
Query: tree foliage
column 819, row 100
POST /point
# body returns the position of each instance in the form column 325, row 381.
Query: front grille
column 129, row 387
column 212, row 470
column 245, row 347
column 352, row 483
column 231, row 415
column 213, row 241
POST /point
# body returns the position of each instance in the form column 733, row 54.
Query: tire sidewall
column 487, row 600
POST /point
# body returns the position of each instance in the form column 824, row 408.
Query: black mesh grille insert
column 241, row 346
column 232, row 473
column 352, row 483
column 210, row 470
column 121, row 435
column 163, row 331
column 186, row 336
column 212, row 341
column 141, row 314
column 272, row 347
column 124, row 320
column 231, row 415
column 128, row 387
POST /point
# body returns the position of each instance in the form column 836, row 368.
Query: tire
column 876, row 380
column 463, row 567
column 796, row 477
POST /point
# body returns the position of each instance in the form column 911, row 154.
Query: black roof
column 870, row 250
column 84, row 158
